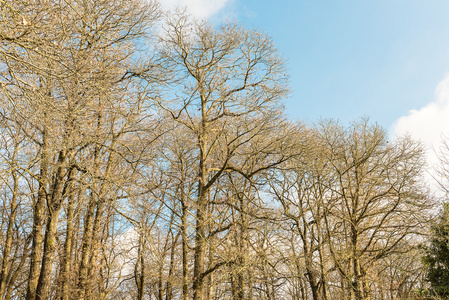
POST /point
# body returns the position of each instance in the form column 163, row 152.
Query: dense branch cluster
column 145, row 156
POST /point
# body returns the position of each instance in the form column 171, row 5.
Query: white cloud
column 200, row 9
column 428, row 124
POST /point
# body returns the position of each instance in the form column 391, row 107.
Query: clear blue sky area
column 347, row 59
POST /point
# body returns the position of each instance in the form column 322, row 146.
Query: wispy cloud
column 200, row 9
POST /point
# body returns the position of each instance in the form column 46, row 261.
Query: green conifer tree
column 437, row 255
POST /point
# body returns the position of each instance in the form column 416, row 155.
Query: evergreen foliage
column 437, row 255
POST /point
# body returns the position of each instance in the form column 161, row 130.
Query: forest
column 146, row 155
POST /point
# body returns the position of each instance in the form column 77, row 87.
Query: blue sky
column 380, row 58
column 351, row 58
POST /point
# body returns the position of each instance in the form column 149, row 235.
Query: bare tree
column 442, row 169
column 223, row 76
column 302, row 188
column 14, row 196
column 66, row 64
column 131, row 169
column 352, row 200
column 379, row 203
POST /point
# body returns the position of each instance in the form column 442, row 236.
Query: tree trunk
column 85, row 247
column 38, row 218
column 169, row 287
column 250, row 284
column 140, row 267
column 322, row 264
column 210, row 277
column 310, row 276
column 93, row 266
column 185, row 250
column 201, row 211
column 198, row 293
column 355, row 283
column 43, row 286
column 160, row 291
column 9, row 231
column 88, row 229
column 65, row 269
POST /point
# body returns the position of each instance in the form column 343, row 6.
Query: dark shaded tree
column 436, row 259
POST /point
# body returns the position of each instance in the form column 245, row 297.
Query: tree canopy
column 148, row 156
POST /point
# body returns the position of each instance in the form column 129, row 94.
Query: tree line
column 147, row 156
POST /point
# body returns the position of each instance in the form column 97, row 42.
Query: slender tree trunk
column 267, row 284
column 250, row 284
column 366, row 295
column 355, row 284
column 86, row 241
column 89, row 220
column 38, row 218
column 185, row 249
column 201, row 213
column 140, row 267
column 237, row 278
column 9, row 231
column 169, row 286
column 233, row 285
column 88, row 230
column 322, row 263
column 13, row 275
column 160, row 287
column 43, row 286
column 65, row 270
column 200, row 247
column 241, row 279
column 210, row 277
column 238, row 267
column 85, row 247
column 310, row 275
column 93, row 266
